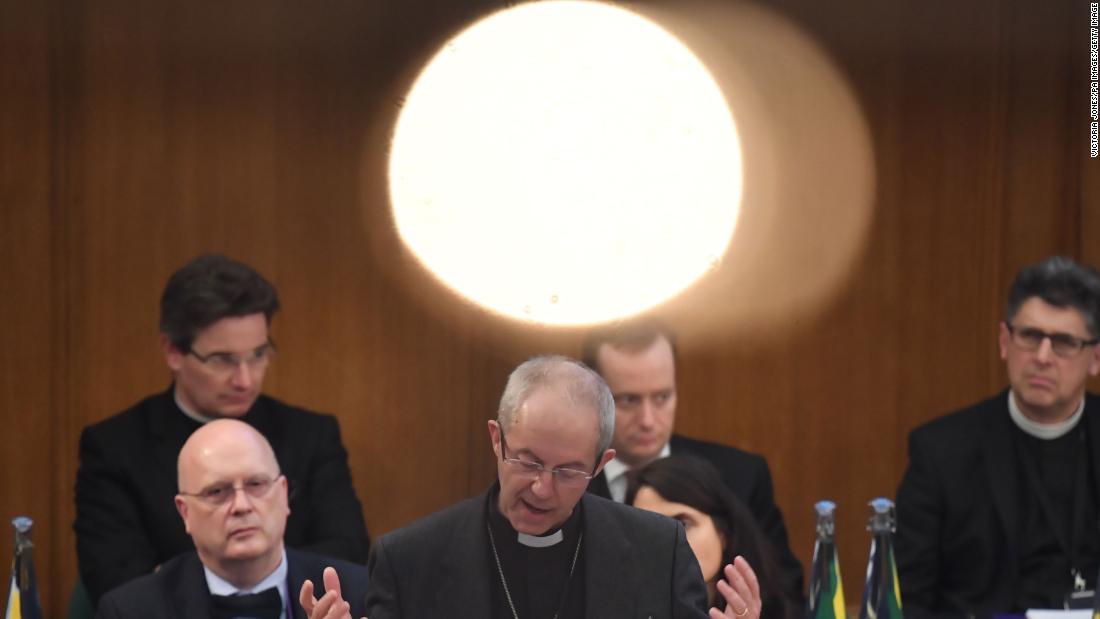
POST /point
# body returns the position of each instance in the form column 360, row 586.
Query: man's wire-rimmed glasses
column 256, row 487
column 531, row 469
column 228, row 362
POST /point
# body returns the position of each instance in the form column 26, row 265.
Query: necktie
column 267, row 604
column 631, row 485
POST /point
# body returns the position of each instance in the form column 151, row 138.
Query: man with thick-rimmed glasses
column 536, row 544
column 215, row 336
column 233, row 502
column 998, row 509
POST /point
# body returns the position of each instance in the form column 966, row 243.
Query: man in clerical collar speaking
column 537, row 546
column 233, row 502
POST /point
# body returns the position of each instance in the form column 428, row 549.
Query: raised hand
column 331, row 605
column 741, row 590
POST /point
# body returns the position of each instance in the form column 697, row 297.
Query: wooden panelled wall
column 134, row 135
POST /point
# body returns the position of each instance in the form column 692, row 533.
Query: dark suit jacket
column 126, row 520
column 636, row 564
column 959, row 526
column 178, row 588
column 747, row 475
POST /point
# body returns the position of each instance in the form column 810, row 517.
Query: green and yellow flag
column 1096, row 599
column 826, row 589
column 882, row 592
column 23, row 594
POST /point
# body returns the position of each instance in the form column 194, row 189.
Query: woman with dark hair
column 719, row 527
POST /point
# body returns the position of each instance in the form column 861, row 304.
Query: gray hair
column 1061, row 282
column 581, row 384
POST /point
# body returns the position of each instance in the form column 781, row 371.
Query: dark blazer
column 748, row 476
column 126, row 520
column 959, row 525
column 636, row 564
column 178, row 588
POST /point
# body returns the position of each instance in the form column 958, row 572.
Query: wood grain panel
column 135, row 135
column 26, row 312
column 246, row 136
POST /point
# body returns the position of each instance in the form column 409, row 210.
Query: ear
column 494, row 437
column 1004, row 338
column 172, row 356
column 284, row 491
column 1094, row 361
column 181, row 507
column 607, row 456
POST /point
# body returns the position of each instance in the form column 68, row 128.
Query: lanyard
column 504, row 581
column 1070, row 545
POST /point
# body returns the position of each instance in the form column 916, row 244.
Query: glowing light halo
column 566, row 162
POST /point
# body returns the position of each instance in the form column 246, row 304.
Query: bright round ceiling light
column 566, row 162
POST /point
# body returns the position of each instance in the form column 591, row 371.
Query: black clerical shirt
column 538, row 578
column 1059, row 516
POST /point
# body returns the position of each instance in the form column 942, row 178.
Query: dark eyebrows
column 1038, row 331
column 228, row 353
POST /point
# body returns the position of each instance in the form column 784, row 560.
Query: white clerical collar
column 1045, row 431
column 186, row 411
column 616, row 468
column 543, row 541
column 220, row 586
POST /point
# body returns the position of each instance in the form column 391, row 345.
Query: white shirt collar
column 220, row 586
column 186, row 411
column 615, row 473
column 1045, row 431
column 540, row 541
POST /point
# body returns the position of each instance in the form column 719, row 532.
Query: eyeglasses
column 1063, row 344
column 255, row 487
column 530, row 469
column 227, row 362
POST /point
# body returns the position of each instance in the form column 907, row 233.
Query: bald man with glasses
column 998, row 509
column 215, row 336
column 233, row 503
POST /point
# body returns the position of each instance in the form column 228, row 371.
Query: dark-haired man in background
column 215, row 320
column 637, row 360
column 997, row 510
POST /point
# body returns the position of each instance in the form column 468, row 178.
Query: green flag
column 826, row 589
column 882, row 592
column 23, row 594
